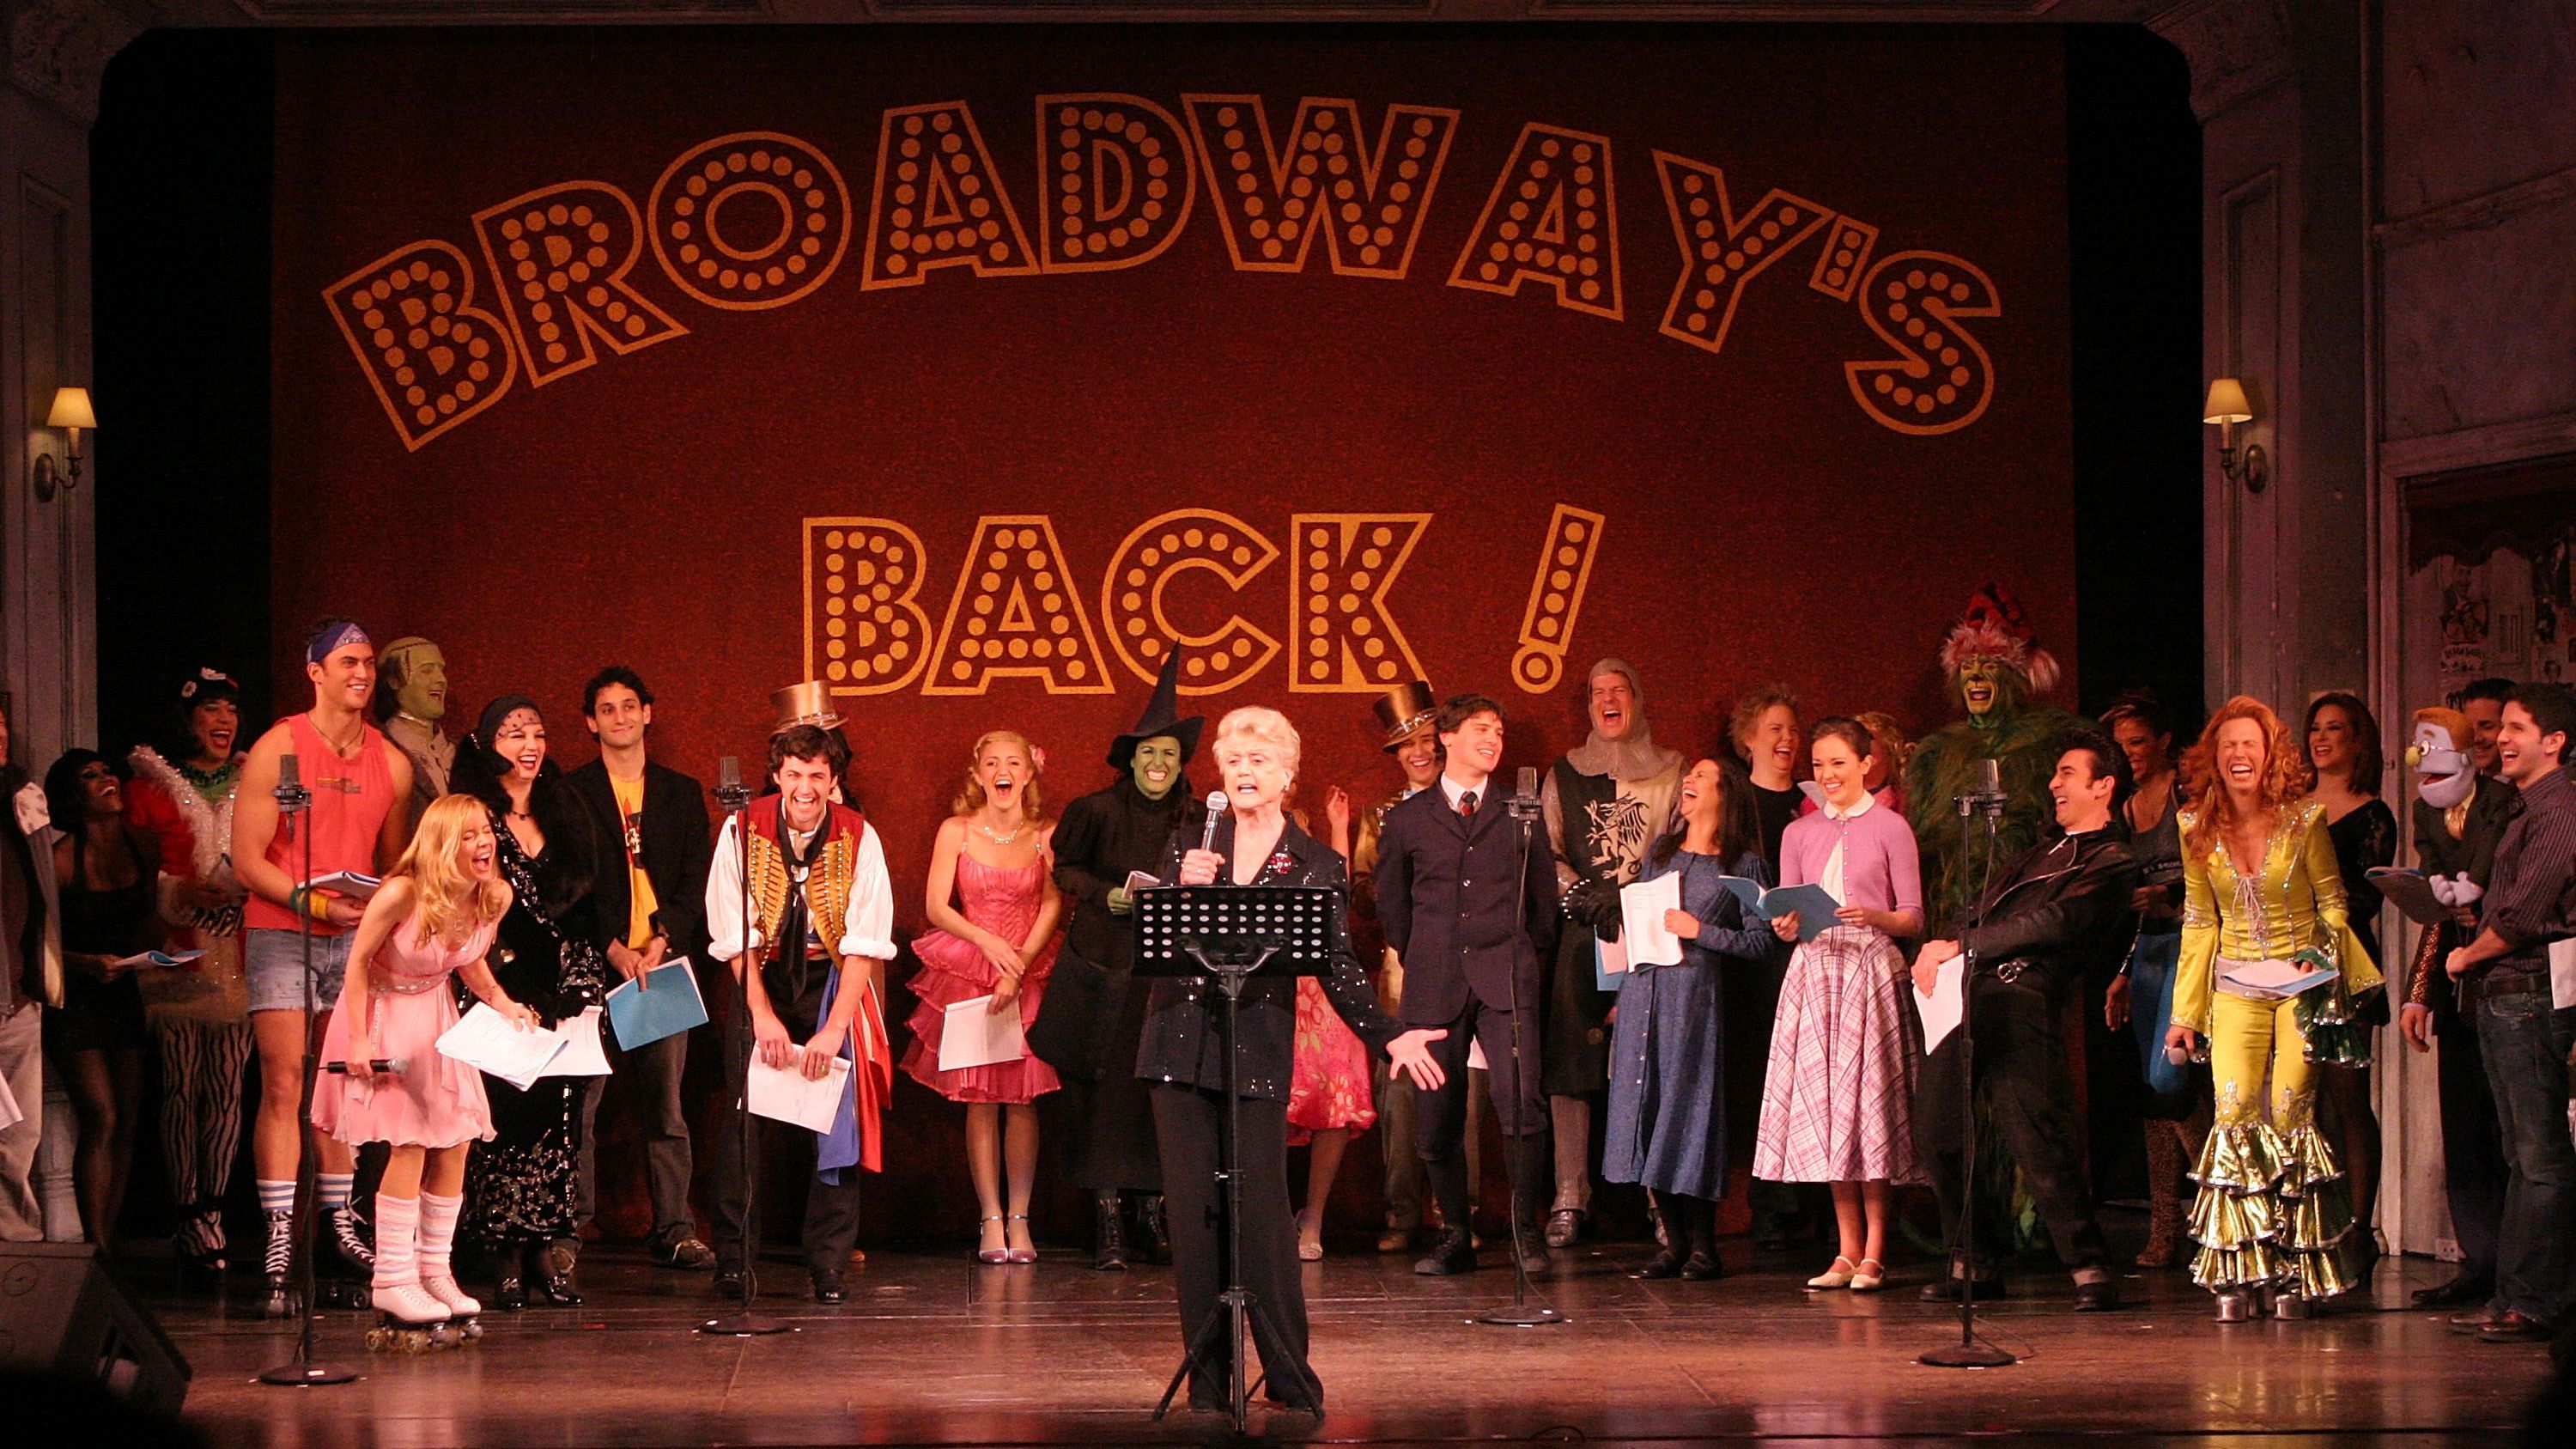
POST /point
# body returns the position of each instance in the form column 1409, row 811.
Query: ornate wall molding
column 2236, row 48
column 58, row 49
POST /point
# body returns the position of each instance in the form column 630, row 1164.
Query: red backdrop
column 1345, row 457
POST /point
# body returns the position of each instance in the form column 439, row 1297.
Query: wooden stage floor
column 932, row 1350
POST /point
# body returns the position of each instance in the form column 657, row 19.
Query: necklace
column 340, row 748
column 997, row 837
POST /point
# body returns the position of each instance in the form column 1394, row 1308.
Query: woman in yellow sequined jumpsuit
column 2261, row 887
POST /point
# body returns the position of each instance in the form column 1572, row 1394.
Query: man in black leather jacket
column 2055, row 913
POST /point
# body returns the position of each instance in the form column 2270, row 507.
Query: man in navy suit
column 1471, row 918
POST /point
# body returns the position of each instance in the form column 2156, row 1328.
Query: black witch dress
column 520, row 1186
column 1100, row 838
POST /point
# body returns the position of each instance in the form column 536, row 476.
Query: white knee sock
column 397, row 1228
column 437, row 1233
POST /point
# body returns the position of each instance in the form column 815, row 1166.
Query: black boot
column 1667, row 1262
column 1108, row 1235
column 550, row 1274
column 1451, row 1253
column 1534, row 1179
column 509, row 1285
column 1153, row 1231
column 1702, row 1266
column 1454, row 1251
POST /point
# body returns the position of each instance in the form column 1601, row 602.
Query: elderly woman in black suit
column 1182, row 1056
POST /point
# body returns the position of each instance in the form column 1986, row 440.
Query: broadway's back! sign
column 973, row 370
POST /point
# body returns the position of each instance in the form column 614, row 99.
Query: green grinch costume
column 1994, row 673
column 1994, row 670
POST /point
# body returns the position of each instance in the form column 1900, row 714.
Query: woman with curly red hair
column 2264, row 906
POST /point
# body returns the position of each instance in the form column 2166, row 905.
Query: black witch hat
column 1158, row 718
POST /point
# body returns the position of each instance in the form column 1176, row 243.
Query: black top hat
column 1158, row 718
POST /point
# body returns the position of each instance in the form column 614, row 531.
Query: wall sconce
column 2227, row 407
column 71, row 413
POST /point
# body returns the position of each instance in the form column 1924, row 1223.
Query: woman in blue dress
column 1667, row 1120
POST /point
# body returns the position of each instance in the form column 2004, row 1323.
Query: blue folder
column 1814, row 904
column 663, row 1003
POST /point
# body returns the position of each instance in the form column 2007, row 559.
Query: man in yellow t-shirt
column 654, row 819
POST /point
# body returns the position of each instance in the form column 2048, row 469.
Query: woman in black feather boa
column 520, row 1187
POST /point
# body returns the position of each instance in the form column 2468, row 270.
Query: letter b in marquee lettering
column 433, row 357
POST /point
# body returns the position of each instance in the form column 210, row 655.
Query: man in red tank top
column 356, row 823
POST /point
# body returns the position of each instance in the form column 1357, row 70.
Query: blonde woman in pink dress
column 993, row 908
column 433, row 917
column 1328, row 1104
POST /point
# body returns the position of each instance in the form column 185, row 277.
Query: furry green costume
column 1993, row 671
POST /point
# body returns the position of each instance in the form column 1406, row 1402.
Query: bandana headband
column 344, row 632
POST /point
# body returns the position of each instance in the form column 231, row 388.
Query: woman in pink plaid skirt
column 1837, row 1103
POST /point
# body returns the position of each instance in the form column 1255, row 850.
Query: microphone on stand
column 731, row 793
column 1524, row 803
column 1216, row 812
column 1985, row 794
column 291, row 796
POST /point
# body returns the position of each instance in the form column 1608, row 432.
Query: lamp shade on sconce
column 71, row 409
column 2227, row 403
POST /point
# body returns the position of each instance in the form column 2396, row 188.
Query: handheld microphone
column 1216, row 812
column 378, row 1064
column 730, row 791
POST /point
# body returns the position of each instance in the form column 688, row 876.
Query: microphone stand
column 1975, row 805
column 301, row 1371
column 735, row 797
column 1525, row 811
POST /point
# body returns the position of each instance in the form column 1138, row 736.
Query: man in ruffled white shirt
column 818, row 885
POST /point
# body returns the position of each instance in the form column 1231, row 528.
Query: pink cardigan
column 1880, row 869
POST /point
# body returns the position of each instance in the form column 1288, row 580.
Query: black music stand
column 1233, row 933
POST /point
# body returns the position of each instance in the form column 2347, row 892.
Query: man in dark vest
column 1471, row 921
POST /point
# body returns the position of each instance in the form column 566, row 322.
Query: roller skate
column 348, row 1263
column 277, row 1265
column 463, row 1309
column 408, row 1320
column 349, row 1238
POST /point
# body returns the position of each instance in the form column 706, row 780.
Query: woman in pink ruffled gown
column 993, row 909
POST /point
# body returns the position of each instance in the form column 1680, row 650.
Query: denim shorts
column 275, row 960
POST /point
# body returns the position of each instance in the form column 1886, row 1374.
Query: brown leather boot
column 2166, row 1181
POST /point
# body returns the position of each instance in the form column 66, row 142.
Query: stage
column 930, row 1349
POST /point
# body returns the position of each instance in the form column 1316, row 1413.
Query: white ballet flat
column 1840, row 1275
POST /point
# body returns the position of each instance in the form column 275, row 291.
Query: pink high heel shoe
column 990, row 1255
column 1018, row 1255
